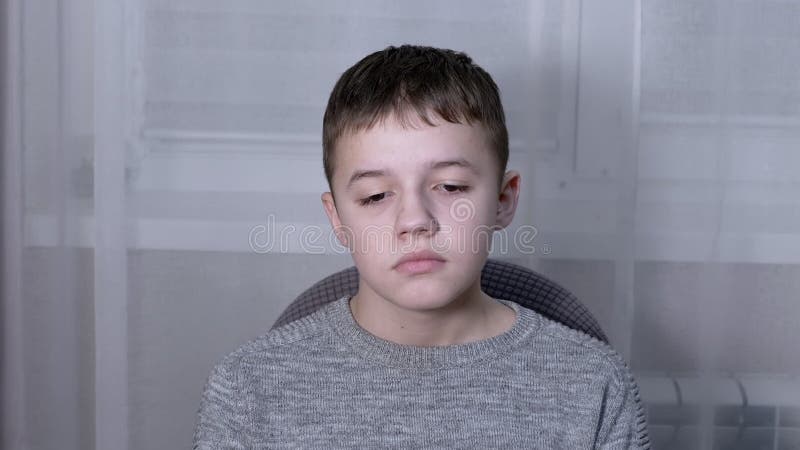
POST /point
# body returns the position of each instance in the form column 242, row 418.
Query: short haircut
column 409, row 82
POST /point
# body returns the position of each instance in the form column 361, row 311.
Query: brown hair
column 410, row 79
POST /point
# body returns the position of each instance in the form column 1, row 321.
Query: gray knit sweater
column 324, row 382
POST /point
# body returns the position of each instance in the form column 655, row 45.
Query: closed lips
column 419, row 256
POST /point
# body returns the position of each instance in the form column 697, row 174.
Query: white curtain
column 147, row 145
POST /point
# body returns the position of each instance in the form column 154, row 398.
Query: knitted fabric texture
column 324, row 382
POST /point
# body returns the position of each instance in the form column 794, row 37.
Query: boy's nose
column 416, row 218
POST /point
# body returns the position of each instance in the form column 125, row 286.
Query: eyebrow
column 361, row 174
column 460, row 162
column 434, row 165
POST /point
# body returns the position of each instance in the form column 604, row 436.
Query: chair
column 499, row 280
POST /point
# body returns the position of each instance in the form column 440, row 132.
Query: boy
column 415, row 150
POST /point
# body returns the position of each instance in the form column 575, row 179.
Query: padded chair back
column 499, row 280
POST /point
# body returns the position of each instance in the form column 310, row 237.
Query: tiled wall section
column 58, row 347
column 751, row 310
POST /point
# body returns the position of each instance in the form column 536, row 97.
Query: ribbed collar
column 414, row 357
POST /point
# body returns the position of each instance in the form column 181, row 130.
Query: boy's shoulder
column 568, row 349
column 560, row 334
column 282, row 341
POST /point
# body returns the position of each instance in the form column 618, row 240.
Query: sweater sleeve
column 624, row 421
column 219, row 420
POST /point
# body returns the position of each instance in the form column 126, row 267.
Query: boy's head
column 414, row 83
column 415, row 151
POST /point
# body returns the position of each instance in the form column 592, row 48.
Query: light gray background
column 657, row 142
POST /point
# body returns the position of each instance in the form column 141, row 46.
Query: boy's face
column 401, row 190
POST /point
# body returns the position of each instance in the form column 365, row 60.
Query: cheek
column 469, row 213
column 372, row 241
column 467, row 210
column 465, row 239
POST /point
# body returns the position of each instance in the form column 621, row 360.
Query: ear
column 329, row 204
column 507, row 201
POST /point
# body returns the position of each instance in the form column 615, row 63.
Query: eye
column 372, row 199
column 454, row 188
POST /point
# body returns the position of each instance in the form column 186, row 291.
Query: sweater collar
column 396, row 355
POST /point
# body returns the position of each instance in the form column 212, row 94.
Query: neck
column 472, row 316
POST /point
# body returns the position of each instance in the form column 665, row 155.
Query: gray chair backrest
column 499, row 280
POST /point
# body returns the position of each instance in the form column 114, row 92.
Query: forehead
column 390, row 144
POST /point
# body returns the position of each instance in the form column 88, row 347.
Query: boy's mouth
column 423, row 261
